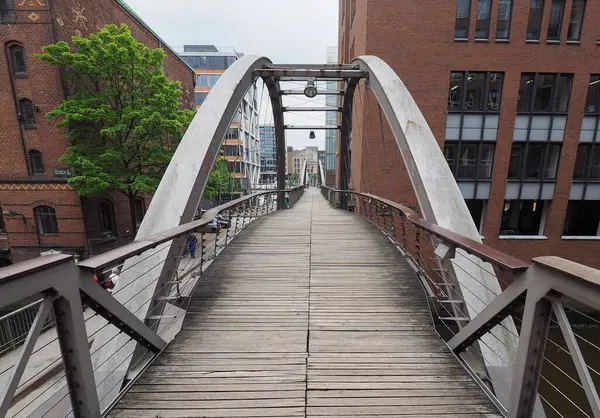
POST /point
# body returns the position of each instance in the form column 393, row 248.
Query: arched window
column 45, row 220
column 27, row 113
column 36, row 162
column 106, row 212
column 140, row 210
column 17, row 60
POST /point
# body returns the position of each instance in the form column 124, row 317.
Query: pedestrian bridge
column 309, row 312
column 321, row 303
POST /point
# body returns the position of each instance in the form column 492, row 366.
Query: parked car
column 212, row 226
column 219, row 222
column 224, row 220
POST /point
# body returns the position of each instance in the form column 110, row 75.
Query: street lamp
column 312, row 135
column 311, row 89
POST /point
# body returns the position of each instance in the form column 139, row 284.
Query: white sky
column 286, row 31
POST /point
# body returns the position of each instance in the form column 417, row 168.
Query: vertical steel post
column 72, row 338
column 530, row 355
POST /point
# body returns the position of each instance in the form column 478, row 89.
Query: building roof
column 161, row 43
column 209, row 51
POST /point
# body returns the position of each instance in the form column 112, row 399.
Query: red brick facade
column 38, row 23
column 417, row 40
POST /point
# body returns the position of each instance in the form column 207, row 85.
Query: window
column 209, row 62
column 534, row 23
column 232, row 150
column 200, row 97
column 106, row 214
column 27, row 113
column 482, row 25
column 476, row 209
column 474, row 160
column 546, row 93
column 533, row 161
column 523, row 217
column 583, row 218
column 45, row 220
column 17, row 57
column 504, row 17
column 592, row 102
column 475, row 91
column 587, row 162
column 140, row 210
column 576, row 20
column 36, row 163
column 232, row 133
column 543, row 93
column 207, row 80
column 461, row 27
column 7, row 11
column 557, row 10
column 236, row 166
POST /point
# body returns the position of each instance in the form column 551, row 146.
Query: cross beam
column 312, row 128
column 313, row 109
column 311, row 73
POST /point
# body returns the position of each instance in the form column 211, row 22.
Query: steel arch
column 441, row 202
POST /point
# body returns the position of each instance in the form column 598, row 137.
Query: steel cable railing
column 148, row 271
column 563, row 375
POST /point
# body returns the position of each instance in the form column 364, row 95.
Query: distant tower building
column 268, row 156
column 331, row 119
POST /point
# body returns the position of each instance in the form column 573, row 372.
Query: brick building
column 38, row 210
column 510, row 89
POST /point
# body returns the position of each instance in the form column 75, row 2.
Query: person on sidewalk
column 112, row 281
column 192, row 241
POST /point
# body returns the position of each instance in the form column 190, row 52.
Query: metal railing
column 14, row 326
column 534, row 347
column 105, row 341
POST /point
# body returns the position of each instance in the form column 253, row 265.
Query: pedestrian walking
column 192, row 241
column 111, row 282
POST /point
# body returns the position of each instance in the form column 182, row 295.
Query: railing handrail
column 21, row 309
column 570, row 268
column 486, row 253
column 35, row 265
column 137, row 247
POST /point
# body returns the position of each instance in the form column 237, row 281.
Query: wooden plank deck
column 310, row 312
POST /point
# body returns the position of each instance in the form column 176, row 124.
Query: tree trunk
column 131, row 198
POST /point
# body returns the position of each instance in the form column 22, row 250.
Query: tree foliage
column 123, row 114
column 220, row 181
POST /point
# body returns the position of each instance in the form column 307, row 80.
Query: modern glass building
column 241, row 145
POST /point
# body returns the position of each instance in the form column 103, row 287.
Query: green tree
column 218, row 181
column 123, row 114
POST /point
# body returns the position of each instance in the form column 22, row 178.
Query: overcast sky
column 286, row 31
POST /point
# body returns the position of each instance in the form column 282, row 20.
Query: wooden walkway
column 310, row 312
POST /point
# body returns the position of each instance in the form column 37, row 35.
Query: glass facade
column 268, row 155
column 209, row 62
column 207, row 80
column 331, row 134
